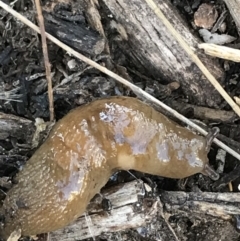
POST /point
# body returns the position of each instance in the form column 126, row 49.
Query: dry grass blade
column 46, row 59
column 138, row 91
column 193, row 56
column 221, row 51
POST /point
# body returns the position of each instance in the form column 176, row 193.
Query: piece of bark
column 219, row 205
column 234, row 9
column 77, row 35
column 154, row 51
column 204, row 113
column 129, row 210
column 16, row 127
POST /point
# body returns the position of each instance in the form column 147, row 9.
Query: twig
column 46, row 59
column 133, row 87
column 222, row 52
column 193, row 56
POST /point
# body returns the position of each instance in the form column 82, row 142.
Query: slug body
column 84, row 149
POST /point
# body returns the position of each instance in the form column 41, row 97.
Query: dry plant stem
column 46, row 59
column 230, row 186
column 139, row 92
column 193, row 56
column 222, row 52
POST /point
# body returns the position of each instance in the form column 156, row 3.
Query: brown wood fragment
column 204, row 113
column 205, row 16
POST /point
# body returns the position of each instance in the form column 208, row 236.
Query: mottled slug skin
column 84, row 149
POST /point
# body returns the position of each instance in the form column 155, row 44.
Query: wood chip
column 206, row 16
column 221, row 51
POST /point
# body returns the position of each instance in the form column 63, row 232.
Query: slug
column 85, row 148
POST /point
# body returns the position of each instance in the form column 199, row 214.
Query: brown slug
column 85, row 148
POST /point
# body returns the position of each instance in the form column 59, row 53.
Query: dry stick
column 133, row 87
column 193, row 56
column 46, row 59
column 222, row 52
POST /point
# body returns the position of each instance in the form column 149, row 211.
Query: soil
column 23, row 94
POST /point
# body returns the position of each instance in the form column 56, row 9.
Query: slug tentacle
column 209, row 171
column 82, row 151
column 210, row 137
